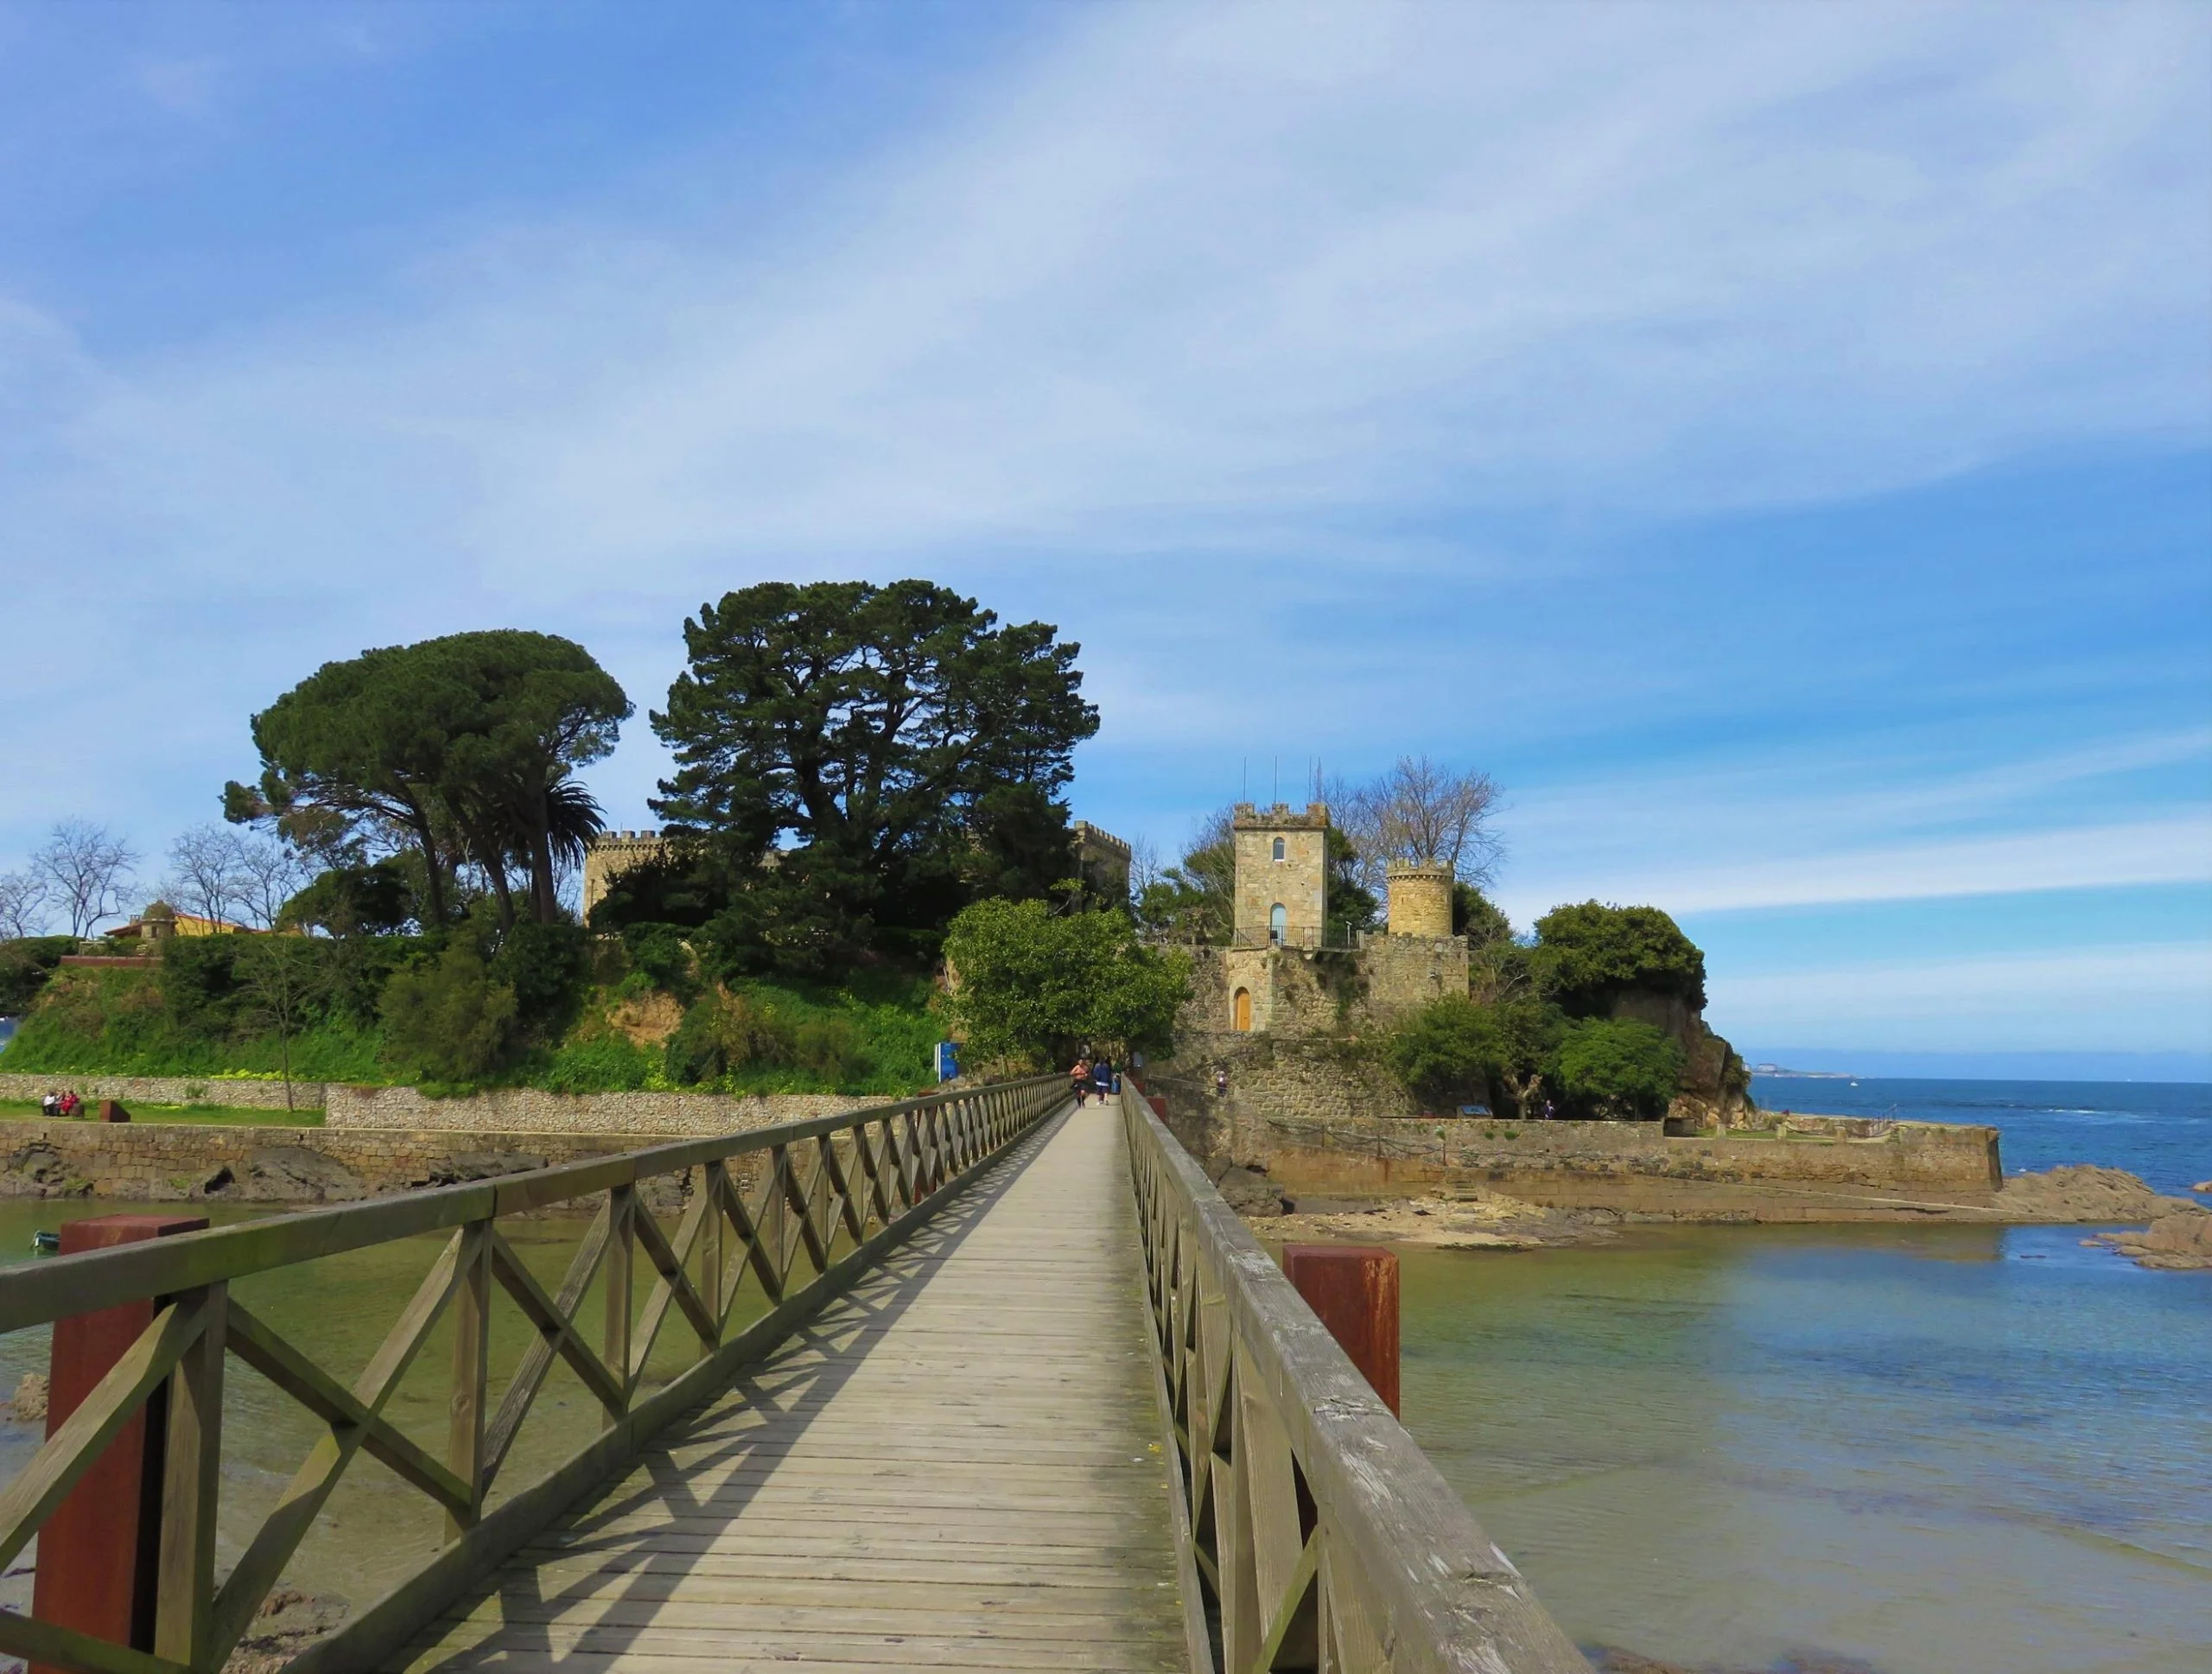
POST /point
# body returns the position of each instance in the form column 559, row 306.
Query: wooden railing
column 1317, row 1535
column 840, row 1191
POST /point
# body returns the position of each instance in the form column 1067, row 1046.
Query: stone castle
column 1285, row 971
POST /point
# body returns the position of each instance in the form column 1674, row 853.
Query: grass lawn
column 206, row 1116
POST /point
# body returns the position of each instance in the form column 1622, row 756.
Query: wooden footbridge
column 1013, row 1390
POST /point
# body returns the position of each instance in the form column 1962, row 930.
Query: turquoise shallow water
column 1920, row 1450
column 1926, row 1450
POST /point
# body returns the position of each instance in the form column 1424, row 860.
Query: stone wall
column 527, row 1109
column 1322, row 1120
column 1405, row 973
column 1298, row 883
column 166, row 1089
column 174, row 1162
column 502, row 1110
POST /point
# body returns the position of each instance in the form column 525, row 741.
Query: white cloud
column 2153, row 997
column 1867, row 824
column 1195, row 285
column 2157, row 851
column 1212, row 276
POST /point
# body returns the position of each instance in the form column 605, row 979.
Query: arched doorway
column 1241, row 1009
column 1278, row 921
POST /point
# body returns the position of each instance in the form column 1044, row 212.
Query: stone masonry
column 173, row 1162
column 502, row 1110
column 1281, row 863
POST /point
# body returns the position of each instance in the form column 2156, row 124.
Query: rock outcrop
column 2181, row 1241
column 2082, row 1192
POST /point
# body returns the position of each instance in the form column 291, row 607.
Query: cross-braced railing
column 1318, row 1535
column 838, row 1191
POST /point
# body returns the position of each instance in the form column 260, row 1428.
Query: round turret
column 160, row 922
column 1421, row 898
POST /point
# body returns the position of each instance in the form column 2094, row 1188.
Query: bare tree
column 271, row 872
column 22, row 906
column 206, row 876
column 1422, row 810
column 87, row 868
column 1145, row 865
column 282, row 980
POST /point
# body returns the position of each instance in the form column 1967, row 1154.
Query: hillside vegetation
column 402, row 1009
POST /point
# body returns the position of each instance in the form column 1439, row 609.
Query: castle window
column 1279, row 849
column 1241, row 1009
column 1278, row 921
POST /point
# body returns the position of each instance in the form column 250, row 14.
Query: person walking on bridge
column 1079, row 1078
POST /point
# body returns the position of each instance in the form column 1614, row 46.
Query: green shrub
column 1618, row 1067
column 1589, row 955
column 198, row 979
column 25, row 967
column 657, row 953
column 1449, row 1053
column 605, row 1063
column 449, row 1020
column 723, row 1033
column 545, row 964
column 1036, row 986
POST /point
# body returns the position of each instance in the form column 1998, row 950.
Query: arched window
column 1278, row 921
column 1242, row 1009
column 1279, row 849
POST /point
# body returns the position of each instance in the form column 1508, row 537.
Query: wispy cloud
column 1212, row 278
column 2135, row 998
column 1863, row 825
column 1250, row 343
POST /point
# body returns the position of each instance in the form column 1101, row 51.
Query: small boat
column 46, row 1243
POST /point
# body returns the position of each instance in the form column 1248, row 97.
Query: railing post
column 472, row 1303
column 1353, row 1291
column 710, row 1252
column 97, row 1554
column 622, row 1248
column 184, row 1593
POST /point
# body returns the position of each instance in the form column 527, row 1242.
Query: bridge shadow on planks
column 641, row 1560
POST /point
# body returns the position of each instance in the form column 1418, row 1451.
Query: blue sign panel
column 948, row 1059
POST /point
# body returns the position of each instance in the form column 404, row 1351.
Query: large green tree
column 865, row 736
column 1616, row 1068
column 1033, row 986
column 1588, row 955
column 463, row 748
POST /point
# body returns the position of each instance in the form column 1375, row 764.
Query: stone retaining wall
column 502, row 1110
column 1323, row 1123
column 1588, row 1163
column 165, row 1090
column 527, row 1109
column 168, row 1162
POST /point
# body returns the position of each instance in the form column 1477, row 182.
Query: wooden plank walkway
column 956, row 1466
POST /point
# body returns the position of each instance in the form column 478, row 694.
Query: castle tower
column 1421, row 898
column 610, row 854
column 1282, row 868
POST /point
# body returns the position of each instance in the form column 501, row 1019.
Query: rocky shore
column 2179, row 1241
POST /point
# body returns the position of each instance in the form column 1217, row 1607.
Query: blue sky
column 1776, row 442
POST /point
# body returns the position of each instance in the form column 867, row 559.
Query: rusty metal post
column 99, row 1553
column 1353, row 1289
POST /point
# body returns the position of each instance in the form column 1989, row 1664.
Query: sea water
column 1916, row 1450
column 2159, row 1129
column 1920, row 1450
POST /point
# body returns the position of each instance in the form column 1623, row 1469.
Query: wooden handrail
column 839, row 1193
column 1318, row 1534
